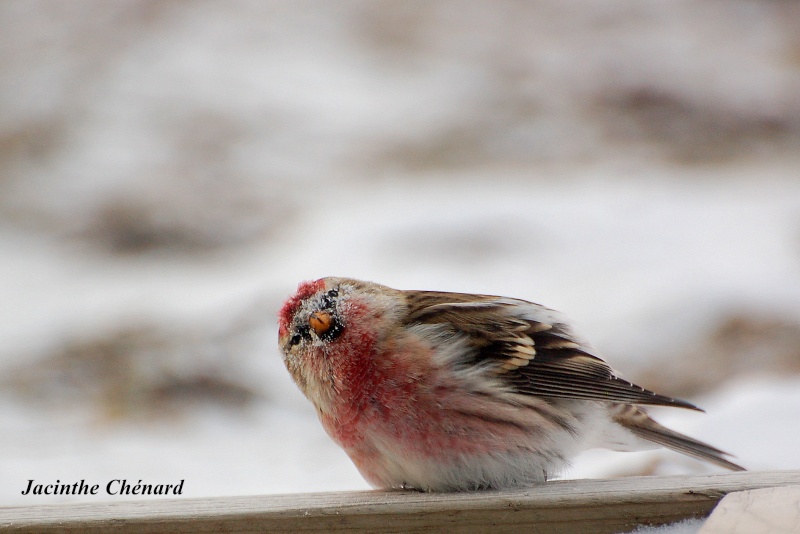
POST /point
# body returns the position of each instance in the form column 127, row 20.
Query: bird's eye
column 302, row 332
column 327, row 298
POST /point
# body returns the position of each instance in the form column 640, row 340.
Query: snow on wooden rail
column 590, row 506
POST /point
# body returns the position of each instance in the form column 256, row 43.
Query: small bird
column 445, row 391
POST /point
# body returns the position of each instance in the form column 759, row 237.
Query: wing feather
column 529, row 347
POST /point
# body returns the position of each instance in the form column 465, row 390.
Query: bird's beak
column 321, row 322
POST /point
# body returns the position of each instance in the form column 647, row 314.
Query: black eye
column 301, row 333
column 327, row 298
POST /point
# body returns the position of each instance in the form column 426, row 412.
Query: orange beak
column 321, row 322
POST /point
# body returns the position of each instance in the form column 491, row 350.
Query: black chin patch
column 334, row 331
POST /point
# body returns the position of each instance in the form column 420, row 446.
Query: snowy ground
column 163, row 197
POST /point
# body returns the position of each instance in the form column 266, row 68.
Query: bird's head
column 328, row 329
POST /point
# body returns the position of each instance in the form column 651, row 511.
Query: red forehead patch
column 304, row 290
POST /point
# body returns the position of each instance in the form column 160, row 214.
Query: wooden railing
column 585, row 506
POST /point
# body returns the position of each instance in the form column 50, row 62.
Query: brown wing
column 529, row 347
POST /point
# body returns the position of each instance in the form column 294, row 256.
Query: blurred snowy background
column 169, row 171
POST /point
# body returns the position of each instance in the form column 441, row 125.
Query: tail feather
column 642, row 426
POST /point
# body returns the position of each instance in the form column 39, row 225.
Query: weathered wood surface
column 590, row 506
column 761, row 511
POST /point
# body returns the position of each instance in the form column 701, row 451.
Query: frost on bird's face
column 310, row 318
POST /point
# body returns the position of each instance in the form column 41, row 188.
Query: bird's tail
column 642, row 426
